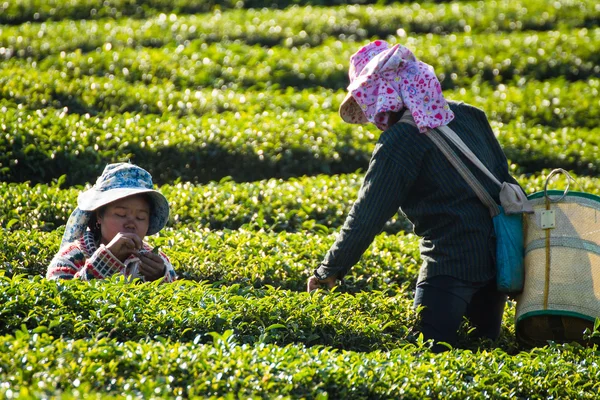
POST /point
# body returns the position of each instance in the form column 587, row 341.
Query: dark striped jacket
column 407, row 172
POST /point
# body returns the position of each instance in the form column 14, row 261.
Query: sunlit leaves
column 184, row 310
column 233, row 109
column 256, row 135
column 83, row 24
column 37, row 364
column 245, row 257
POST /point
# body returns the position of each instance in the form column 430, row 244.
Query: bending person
column 408, row 172
column 105, row 234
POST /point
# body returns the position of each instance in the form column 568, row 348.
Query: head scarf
column 386, row 79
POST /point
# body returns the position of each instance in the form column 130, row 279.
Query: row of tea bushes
column 293, row 26
column 554, row 102
column 308, row 203
column 245, row 146
column 459, row 60
column 38, row 365
column 273, row 204
column 534, row 148
column 257, row 259
column 21, row 11
column 186, row 311
column 42, row 145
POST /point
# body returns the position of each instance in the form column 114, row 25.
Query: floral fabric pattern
column 386, row 79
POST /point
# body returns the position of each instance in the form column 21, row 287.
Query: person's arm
column 386, row 185
column 110, row 259
column 66, row 263
column 71, row 263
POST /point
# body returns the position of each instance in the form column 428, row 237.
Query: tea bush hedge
column 459, row 60
column 273, row 204
column 318, row 22
column 267, row 134
column 318, row 203
column 184, row 310
column 242, row 256
column 245, row 146
column 554, row 102
column 233, row 109
column 39, row 365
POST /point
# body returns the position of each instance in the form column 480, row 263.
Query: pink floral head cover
column 386, row 79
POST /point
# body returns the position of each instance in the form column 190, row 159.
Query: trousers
column 447, row 301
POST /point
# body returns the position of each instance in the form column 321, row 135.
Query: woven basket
column 561, row 294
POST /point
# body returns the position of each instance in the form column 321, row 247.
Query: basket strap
column 460, row 166
column 548, row 253
column 450, row 134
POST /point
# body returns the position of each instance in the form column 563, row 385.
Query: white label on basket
column 548, row 219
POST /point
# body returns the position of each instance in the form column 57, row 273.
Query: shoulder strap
column 458, row 142
column 462, row 169
column 450, row 134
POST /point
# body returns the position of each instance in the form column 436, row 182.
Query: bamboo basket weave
column 561, row 294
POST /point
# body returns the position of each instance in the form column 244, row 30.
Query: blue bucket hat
column 117, row 181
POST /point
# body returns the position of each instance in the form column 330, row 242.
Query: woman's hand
column 152, row 266
column 315, row 283
column 124, row 244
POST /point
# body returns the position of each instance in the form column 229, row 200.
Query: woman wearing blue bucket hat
column 105, row 234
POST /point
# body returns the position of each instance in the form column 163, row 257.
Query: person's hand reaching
column 316, row 283
column 124, row 244
column 152, row 266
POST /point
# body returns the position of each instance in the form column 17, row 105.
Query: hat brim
column 351, row 112
column 91, row 200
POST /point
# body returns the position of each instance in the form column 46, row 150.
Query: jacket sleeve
column 102, row 264
column 71, row 263
column 385, row 186
column 66, row 263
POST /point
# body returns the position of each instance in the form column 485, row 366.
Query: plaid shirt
column 407, row 172
column 84, row 260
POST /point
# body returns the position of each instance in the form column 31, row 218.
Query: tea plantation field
column 232, row 106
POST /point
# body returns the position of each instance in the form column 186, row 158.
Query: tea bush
column 210, row 134
column 315, row 203
column 185, row 310
column 36, row 364
column 493, row 58
column 233, row 109
column 243, row 257
column 318, row 22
